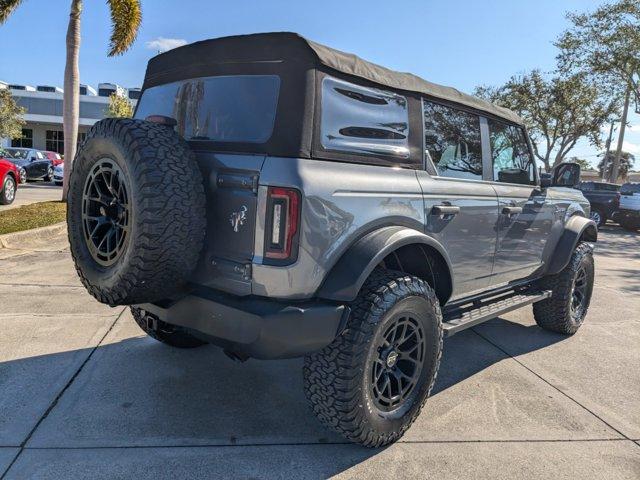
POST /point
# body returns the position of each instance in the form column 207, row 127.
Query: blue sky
column 459, row 43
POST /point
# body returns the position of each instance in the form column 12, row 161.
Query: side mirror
column 546, row 180
column 566, row 175
column 32, row 159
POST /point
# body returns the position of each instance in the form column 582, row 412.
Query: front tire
column 565, row 310
column 371, row 382
column 164, row 332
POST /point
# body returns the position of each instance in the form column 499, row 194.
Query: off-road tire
column 167, row 211
column 163, row 332
column 8, row 184
column 555, row 313
column 337, row 378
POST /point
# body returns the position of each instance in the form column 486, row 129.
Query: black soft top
column 291, row 51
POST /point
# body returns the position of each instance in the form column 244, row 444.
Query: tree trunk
column 71, row 102
column 605, row 168
column 615, row 168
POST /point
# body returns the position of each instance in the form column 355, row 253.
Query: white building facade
column 43, row 129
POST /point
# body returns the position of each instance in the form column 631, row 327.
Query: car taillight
column 281, row 227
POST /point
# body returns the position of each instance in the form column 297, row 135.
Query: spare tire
column 135, row 211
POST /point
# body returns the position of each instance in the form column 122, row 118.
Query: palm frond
column 6, row 8
column 126, row 16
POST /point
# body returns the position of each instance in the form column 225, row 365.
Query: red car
column 55, row 157
column 10, row 177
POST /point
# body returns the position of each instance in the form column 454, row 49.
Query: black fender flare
column 576, row 228
column 344, row 280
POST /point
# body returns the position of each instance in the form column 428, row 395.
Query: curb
column 34, row 238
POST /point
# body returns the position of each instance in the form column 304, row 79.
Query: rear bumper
column 625, row 213
column 255, row 327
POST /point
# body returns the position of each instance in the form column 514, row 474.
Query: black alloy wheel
column 396, row 371
column 106, row 214
column 579, row 293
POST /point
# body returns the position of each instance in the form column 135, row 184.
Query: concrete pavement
column 83, row 394
column 32, row 192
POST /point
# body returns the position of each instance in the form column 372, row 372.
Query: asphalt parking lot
column 83, row 394
column 32, row 192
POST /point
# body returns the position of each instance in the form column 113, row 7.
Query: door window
column 512, row 161
column 452, row 141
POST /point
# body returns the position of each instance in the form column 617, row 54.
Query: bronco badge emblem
column 237, row 219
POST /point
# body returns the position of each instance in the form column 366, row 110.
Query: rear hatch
column 232, row 113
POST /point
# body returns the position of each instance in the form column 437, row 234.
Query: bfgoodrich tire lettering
column 565, row 310
column 165, row 211
column 338, row 379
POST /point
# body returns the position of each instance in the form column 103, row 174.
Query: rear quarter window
column 238, row 108
column 363, row 120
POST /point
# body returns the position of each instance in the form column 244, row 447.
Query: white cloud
column 162, row 44
column 633, row 148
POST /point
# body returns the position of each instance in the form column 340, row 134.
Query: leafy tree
column 626, row 164
column 605, row 45
column 119, row 107
column 11, row 120
column 126, row 16
column 558, row 111
column 584, row 164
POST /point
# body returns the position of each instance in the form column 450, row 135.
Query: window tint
column 512, row 161
column 363, row 120
column 630, row 188
column 452, row 141
column 239, row 108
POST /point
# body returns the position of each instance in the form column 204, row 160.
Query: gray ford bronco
column 279, row 198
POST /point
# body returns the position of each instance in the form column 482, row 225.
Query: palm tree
column 125, row 21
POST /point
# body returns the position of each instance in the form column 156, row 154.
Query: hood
column 9, row 163
column 18, row 162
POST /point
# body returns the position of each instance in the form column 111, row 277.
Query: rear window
column 607, row 187
column 630, row 188
column 239, row 108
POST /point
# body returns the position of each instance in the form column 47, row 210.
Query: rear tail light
column 282, row 225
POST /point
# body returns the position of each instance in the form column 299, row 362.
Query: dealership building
column 43, row 103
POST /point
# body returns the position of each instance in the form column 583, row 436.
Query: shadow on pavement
column 137, row 392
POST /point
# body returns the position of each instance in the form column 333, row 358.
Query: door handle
column 444, row 210
column 511, row 210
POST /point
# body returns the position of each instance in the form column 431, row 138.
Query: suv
column 629, row 214
column 279, row 198
column 604, row 199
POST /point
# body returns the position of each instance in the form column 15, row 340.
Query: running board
column 478, row 311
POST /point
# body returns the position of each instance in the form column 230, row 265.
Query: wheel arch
column 577, row 229
column 395, row 248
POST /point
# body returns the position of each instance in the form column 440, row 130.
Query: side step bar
column 478, row 311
